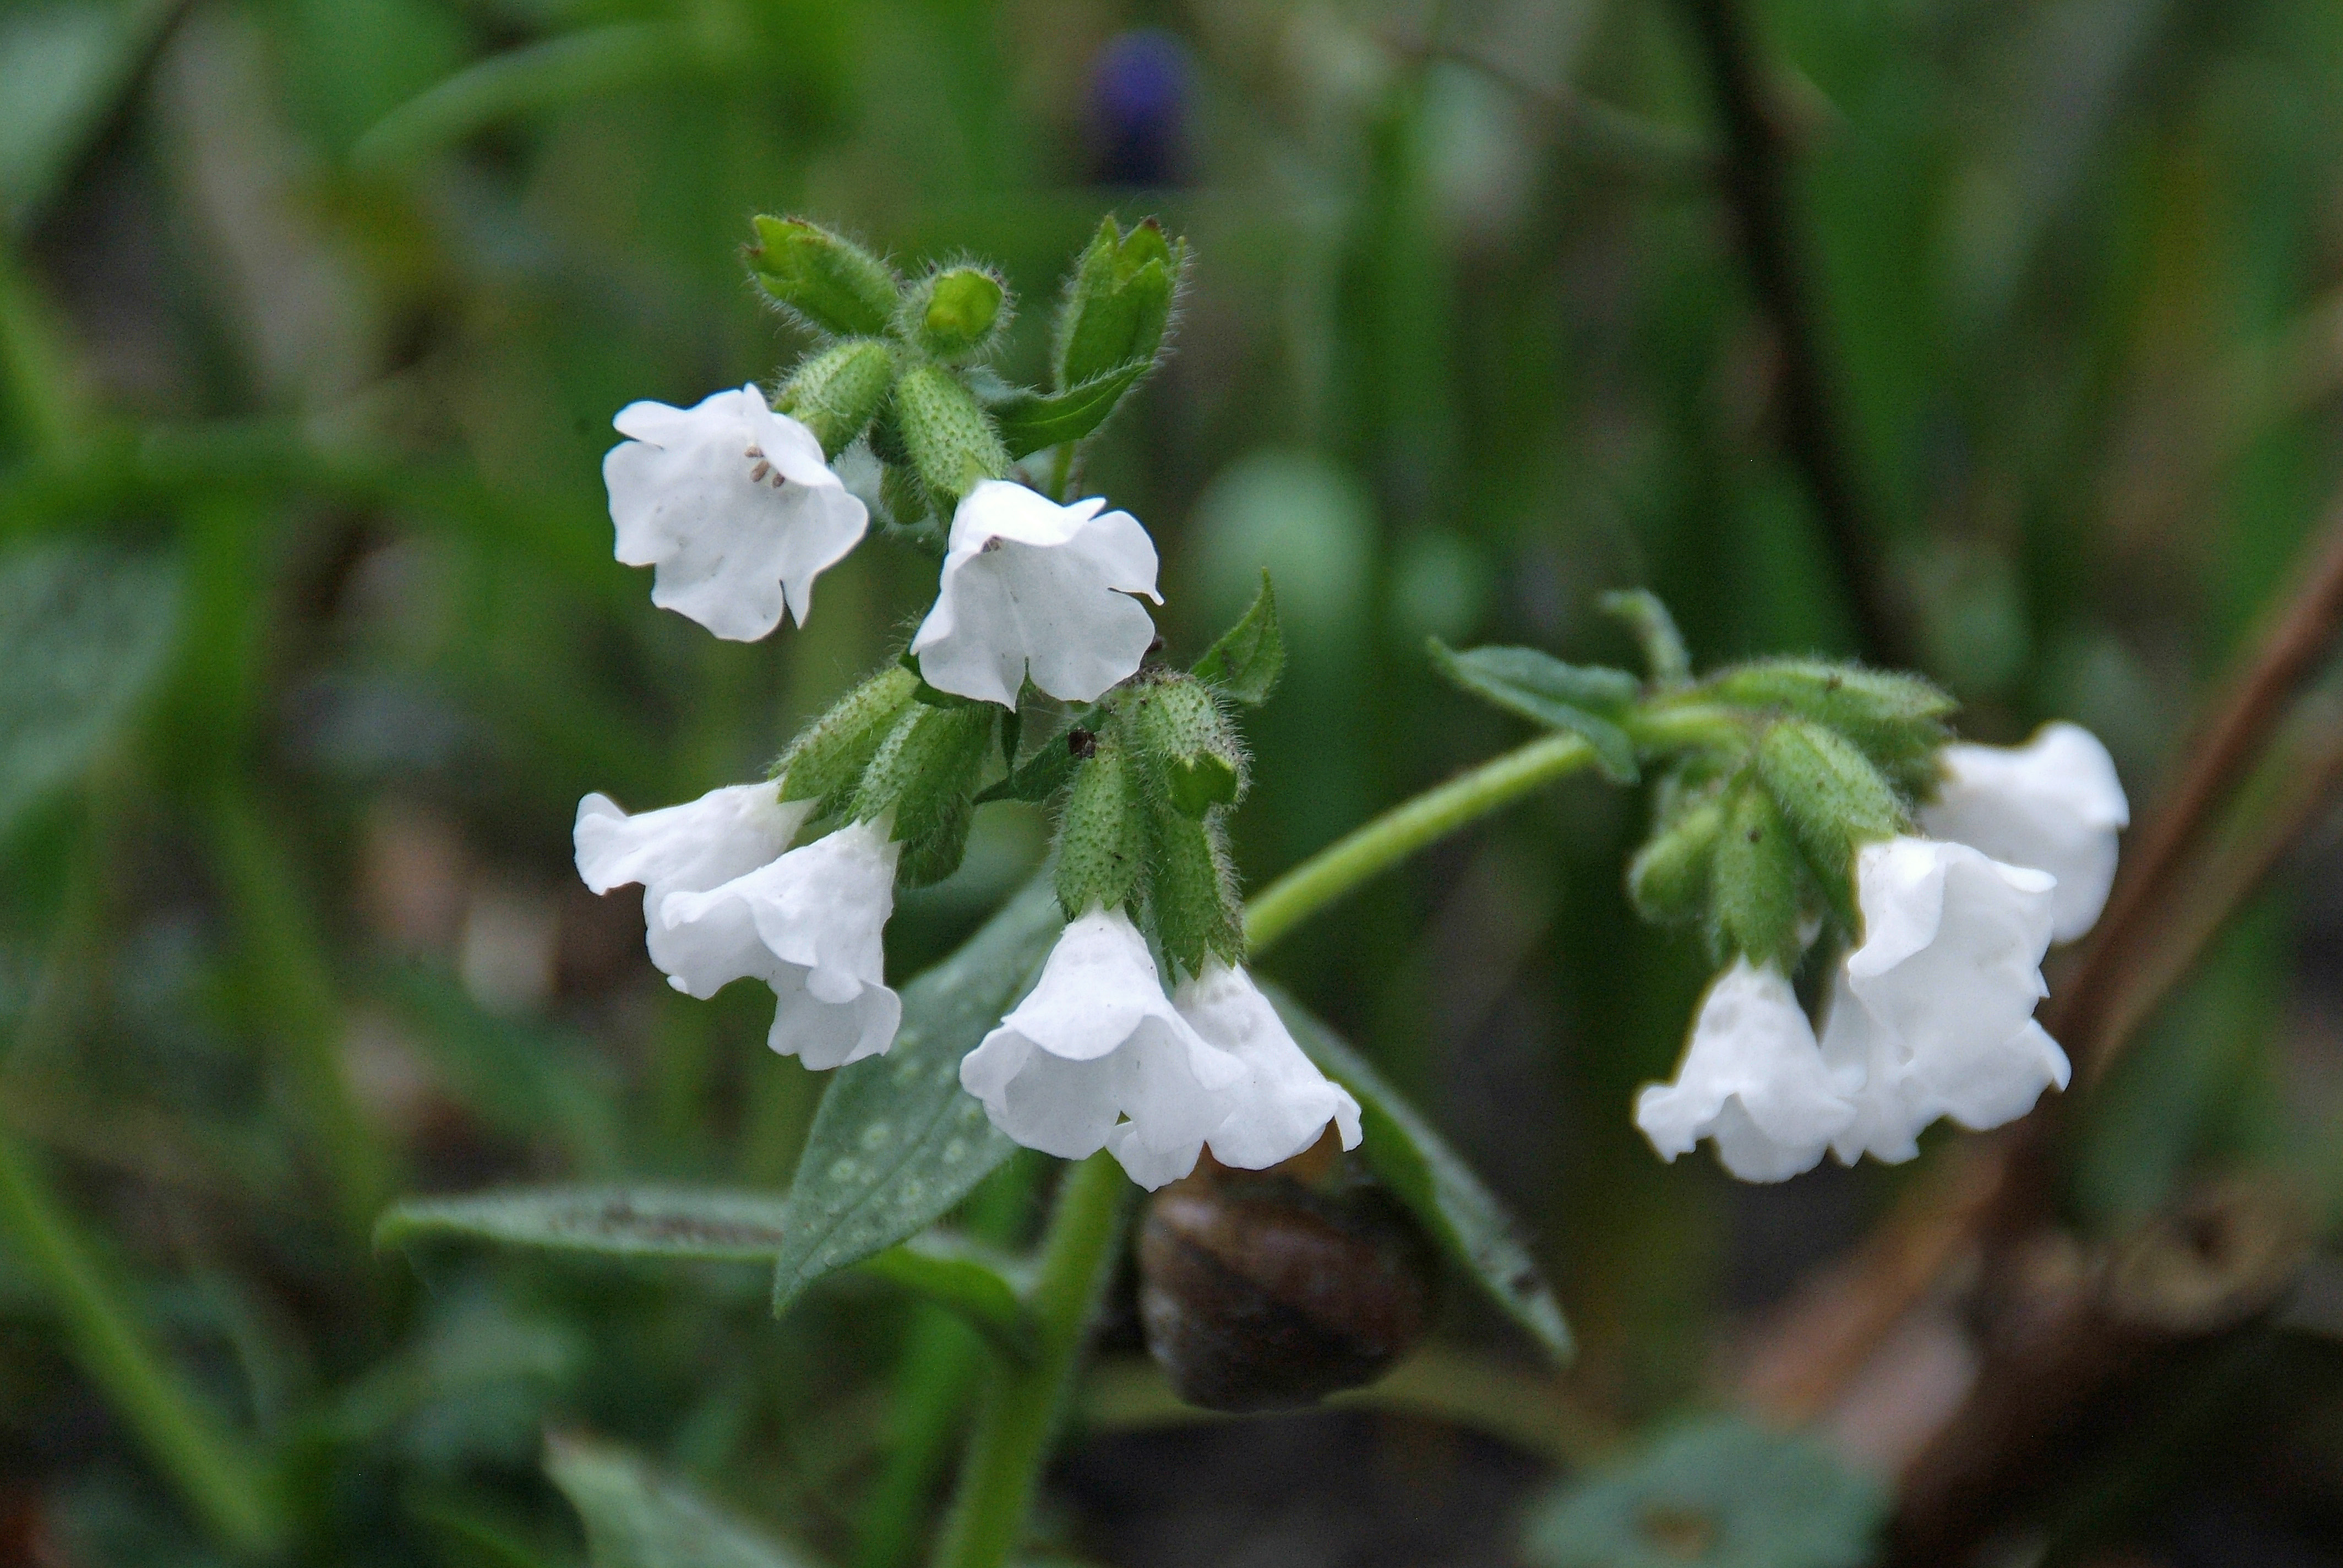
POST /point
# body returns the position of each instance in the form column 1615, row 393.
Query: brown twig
column 1757, row 173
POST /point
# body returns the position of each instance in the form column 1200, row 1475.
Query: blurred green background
column 313, row 317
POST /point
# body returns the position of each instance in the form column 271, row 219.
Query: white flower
column 734, row 505
column 1753, row 1079
column 1934, row 1014
column 1283, row 1103
column 809, row 925
column 1098, row 1058
column 686, row 849
column 2053, row 803
column 1030, row 586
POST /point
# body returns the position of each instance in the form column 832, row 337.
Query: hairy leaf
column 1029, row 422
column 625, row 1221
column 1247, row 660
column 1428, row 1176
column 1544, row 690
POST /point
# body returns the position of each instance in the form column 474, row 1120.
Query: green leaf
column 1417, row 1163
column 1046, row 767
column 83, row 635
column 63, row 70
column 897, row 1143
column 1029, row 422
column 1247, row 660
column 1719, row 1492
column 636, row 1517
column 1656, row 631
column 1544, row 690
column 621, row 1221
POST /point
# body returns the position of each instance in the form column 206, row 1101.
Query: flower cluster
column 1931, row 1014
column 736, row 505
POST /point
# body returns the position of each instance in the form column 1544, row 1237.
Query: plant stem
column 1022, row 1403
column 1403, row 829
column 207, row 1462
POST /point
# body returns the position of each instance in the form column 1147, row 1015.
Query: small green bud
column 957, row 313
column 1898, row 720
column 838, row 392
column 1833, row 799
column 827, row 759
column 1118, row 302
column 1669, row 878
column 1756, row 880
column 1102, row 835
column 925, row 772
column 1195, row 758
column 1191, row 894
column 826, row 279
column 953, row 445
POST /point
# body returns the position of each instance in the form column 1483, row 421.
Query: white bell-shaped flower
column 1098, row 1058
column 1896, row 1093
column 1753, row 1079
column 2053, row 803
column 686, row 849
column 1031, row 587
column 733, row 505
column 810, row 926
column 1283, row 1104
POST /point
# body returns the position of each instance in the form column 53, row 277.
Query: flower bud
column 828, row 281
column 953, row 445
column 1754, row 881
column 1118, row 302
column 957, row 313
column 1833, row 799
column 1102, row 835
column 925, row 772
column 1191, row 891
column 826, row 760
column 1669, row 878
column 1258, row 1291
column 837, row 393
column 1196, row 759
column 1897, row 720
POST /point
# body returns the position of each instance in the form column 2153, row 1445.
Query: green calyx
column 1192, row 759
column 1758, row 881
column 1192, row 889
column 1669, row 877
column 1118, row 302
column 824, row 762
column 1898, row 722
column 823, row 278
column 953, row 445
column 924, row 774
column 838, row 392
column 956, row 313
column 1832, row 800
column 1102, row 833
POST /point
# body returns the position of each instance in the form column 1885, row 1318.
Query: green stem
column 1022, row 1405
column 207, row 1462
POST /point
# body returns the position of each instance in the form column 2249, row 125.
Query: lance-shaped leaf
column 983, row 1284
column 636, row 1517
column 1428, row 1176
column 1581, row 700
column 1250, row 656
column 896, row 1142
column 1031, row 422
column 1048, row 766
column 83, row 635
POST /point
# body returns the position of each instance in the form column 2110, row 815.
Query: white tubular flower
column 1283, row 1103
column 2053, row 803
column 686, row 849
column 1098, row 1058
column 734, row 505
column 1030, row 586
column 1753, row 1079
column 809, row 925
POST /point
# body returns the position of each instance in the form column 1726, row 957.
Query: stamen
column 760, row 471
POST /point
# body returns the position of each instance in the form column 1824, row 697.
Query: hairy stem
column 1023, row 1402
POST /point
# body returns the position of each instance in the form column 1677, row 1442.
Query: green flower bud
column 826, row 760
column 1102, row 835
column 838, row 392
column 1191, row 892
column 957, row 313
column 1833, row 799
column 953, row 446
column 1755, row 881
column 1898, row 720
column 828, row 281
column 1116, row 303
column 1669, row 878
column 1195, row 758
column 925, row 771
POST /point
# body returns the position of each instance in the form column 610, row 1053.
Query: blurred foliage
column 312, row 316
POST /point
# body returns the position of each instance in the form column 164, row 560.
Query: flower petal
column 1753, row 1078
column 2055, row 804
